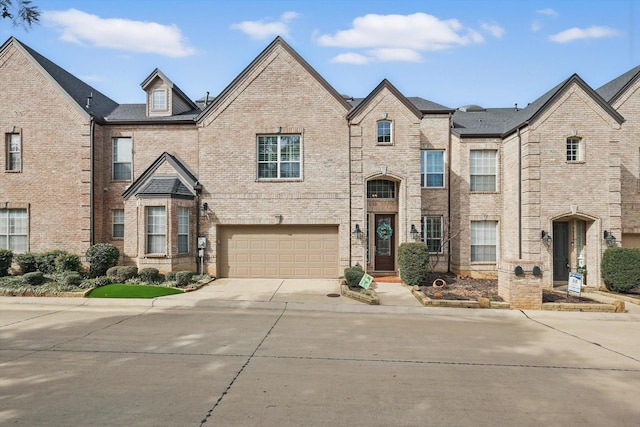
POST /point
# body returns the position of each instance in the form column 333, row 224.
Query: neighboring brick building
column 281, row 176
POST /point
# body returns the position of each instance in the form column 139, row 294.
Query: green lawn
column 132, row 291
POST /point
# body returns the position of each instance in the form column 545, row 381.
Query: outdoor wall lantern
column 414, row 232
column 546, row 237
column 518, row 271
column 205, row 207
column 610, row 238
column 537, row 271
column 357, row 232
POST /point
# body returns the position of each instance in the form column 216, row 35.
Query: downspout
column 92, row 126
column 519, row 194
column 198, row 188
column 350, row 202
column 449, row 193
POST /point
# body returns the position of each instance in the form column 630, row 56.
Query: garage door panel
column 279, row 251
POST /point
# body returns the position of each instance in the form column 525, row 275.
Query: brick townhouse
column 280, row 175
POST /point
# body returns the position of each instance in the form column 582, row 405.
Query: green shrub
column 170, row 276
column 620, row 268
column 127, row 272
column 100, row 257
column 150, row 275
column 28, row 262
column 413, row 262
column 6, row 257
column 112, row 272
column 353, row 275
column 47, row 261
column 72, row 279
column 183, row 278
column 96, row 282
column 68, row 262
column 33, row 278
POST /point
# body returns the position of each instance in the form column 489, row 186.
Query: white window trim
column 390, row 142
column 164, row 106
column 424, row 168
column 495, row 174
column 182, row 211
column 581, row 151
column 9, row 142
column 162, row 230
column 493, row 244
column 114, row 223
column 7, row 231
column 279, row 161
column 115, row 161
column 425, row 234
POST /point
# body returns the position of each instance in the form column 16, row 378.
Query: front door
column 561, row 252
column 384, row 242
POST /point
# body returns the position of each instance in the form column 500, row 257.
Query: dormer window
column 159, row 99
column 384, row 132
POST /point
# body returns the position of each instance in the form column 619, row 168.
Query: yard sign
column 365, row 282
column 575, row 284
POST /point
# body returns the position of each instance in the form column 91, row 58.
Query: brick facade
column 70, row 200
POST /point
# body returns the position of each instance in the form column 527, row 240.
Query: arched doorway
column 382, row 213
column 569, row 246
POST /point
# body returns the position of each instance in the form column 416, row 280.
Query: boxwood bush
column 28, row 262
column 68, row 262
column 100, row 257
column 72, row 279
column 183, row 278
column 413, row 262
column 34, row 278
column 620, row 268
column 47, row 261
column 6, row 256
column 353, row 275
column 150, row 275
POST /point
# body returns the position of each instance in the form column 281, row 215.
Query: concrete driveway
column 302, row 291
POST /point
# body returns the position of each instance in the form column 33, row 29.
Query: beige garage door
column 279, row 251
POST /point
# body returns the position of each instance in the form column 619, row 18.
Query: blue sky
column 491, row 53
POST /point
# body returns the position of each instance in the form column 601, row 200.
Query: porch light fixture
column 205, row 207
column 414, row 232
column 610, row 238
column 546, row 237
column 357, row 232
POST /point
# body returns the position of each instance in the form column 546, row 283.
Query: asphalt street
column 242, row 365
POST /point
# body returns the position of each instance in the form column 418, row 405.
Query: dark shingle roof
column 138, row 113
column 610, row 91
column 101, row 105
column 165, row 187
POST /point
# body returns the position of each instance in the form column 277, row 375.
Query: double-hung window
column 13, row 230
column 117, row 221
column 483, row 241
column 159, row 99
column 574, row 149
column 122, row 154
column 432, row 168
column 383, row 132
column 483, row 170
column 156, row 230
column 183, row 230
column 279, row 157
column 432, row 233
column 14, row 152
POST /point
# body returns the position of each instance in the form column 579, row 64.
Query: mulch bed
column 468, row 289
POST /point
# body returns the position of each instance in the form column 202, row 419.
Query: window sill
column 484, row 192
column 434, row 188
column 13, row 171
column 279, row 180
column 576, row 162
column 383, row 144
column 155, row 255
column 484, row 263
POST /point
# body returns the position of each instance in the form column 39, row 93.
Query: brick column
column 522, row 291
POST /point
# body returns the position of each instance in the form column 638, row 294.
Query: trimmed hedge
column 413, row 262
column 620, row 268
column 353, row 275
column 68, row 262
column 183, row 278
column 47, row 261
column 35, row 278
column 6, row 256
column 150, row 275
column 72, row 279
column 100, row 257
column 28, row 262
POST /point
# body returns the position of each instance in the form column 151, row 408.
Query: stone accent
column 523, row 291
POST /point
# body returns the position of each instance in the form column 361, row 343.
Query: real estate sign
column 365, row 282
column 575, row 283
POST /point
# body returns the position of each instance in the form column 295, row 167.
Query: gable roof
column 501, row 122
column 616, row 87
column 277, row 42
column 159, row 74
column 150, row 186
column 100, row 105
column 384, row 84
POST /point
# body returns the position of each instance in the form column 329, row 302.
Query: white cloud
column 536, row 26
column 493, row 29
column 548, row 12
column 575, row 33
column 261, row 30
column 351, row 58
column 123, row 34
column 400, row 37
